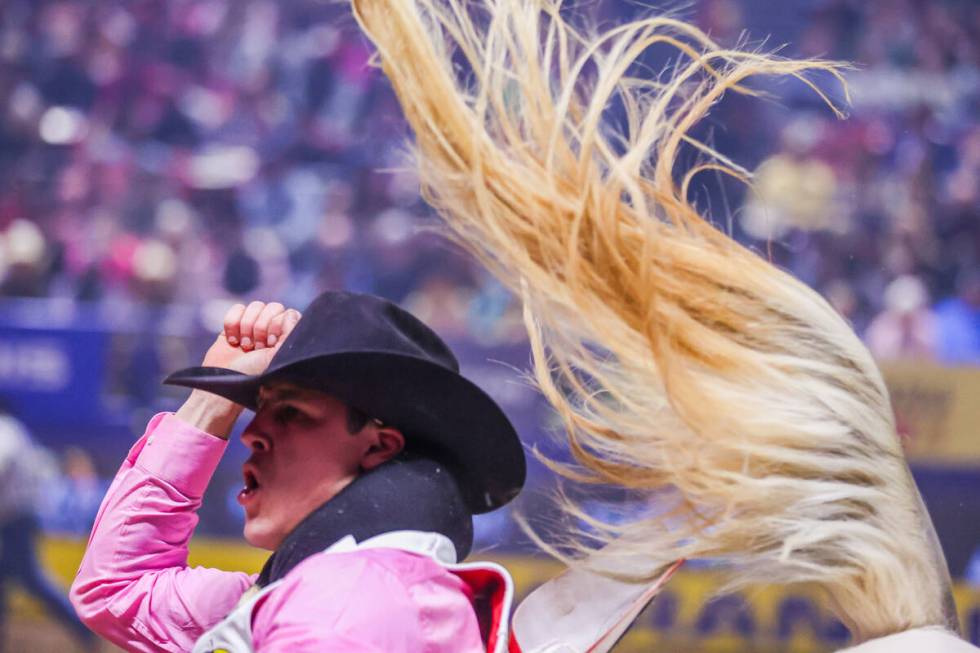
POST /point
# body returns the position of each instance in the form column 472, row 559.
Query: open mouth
column 252, row 485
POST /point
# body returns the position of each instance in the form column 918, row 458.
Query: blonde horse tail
column 676, row 358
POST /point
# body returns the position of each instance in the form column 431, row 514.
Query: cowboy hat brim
column 431, row 405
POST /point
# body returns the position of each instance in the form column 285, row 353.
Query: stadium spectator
column 958, row 323
column 71, row 499
column 907, row 327
column 23, row 469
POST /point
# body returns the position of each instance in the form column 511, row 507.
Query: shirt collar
column 434, row 545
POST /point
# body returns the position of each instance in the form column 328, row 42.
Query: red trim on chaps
column 489, row 592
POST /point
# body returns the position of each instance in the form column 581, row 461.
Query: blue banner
column 53, row 376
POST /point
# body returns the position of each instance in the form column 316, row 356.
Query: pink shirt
column 135, row 589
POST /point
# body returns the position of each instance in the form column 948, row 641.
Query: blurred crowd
column 881, row 212
column 185, row 152
column 181, row 152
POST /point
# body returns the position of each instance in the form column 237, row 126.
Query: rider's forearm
column 209, row 413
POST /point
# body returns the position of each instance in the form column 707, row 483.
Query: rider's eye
column 287, row 413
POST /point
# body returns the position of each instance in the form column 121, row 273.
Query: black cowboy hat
column 383, row 361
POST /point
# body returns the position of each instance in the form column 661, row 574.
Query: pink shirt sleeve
column 134, row 586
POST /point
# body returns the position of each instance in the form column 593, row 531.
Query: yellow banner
column 686, row 618
column 937, row 410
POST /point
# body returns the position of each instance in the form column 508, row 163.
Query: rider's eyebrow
column 285, row 394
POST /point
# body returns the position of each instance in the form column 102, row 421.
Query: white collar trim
column 434, row 545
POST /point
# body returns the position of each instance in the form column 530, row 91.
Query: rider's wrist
column 209, row 413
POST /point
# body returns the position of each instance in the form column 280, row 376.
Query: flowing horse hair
column 676, row 358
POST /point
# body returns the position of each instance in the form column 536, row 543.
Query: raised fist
column 251, row 336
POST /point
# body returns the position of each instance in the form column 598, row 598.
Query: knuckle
column 233, row 314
